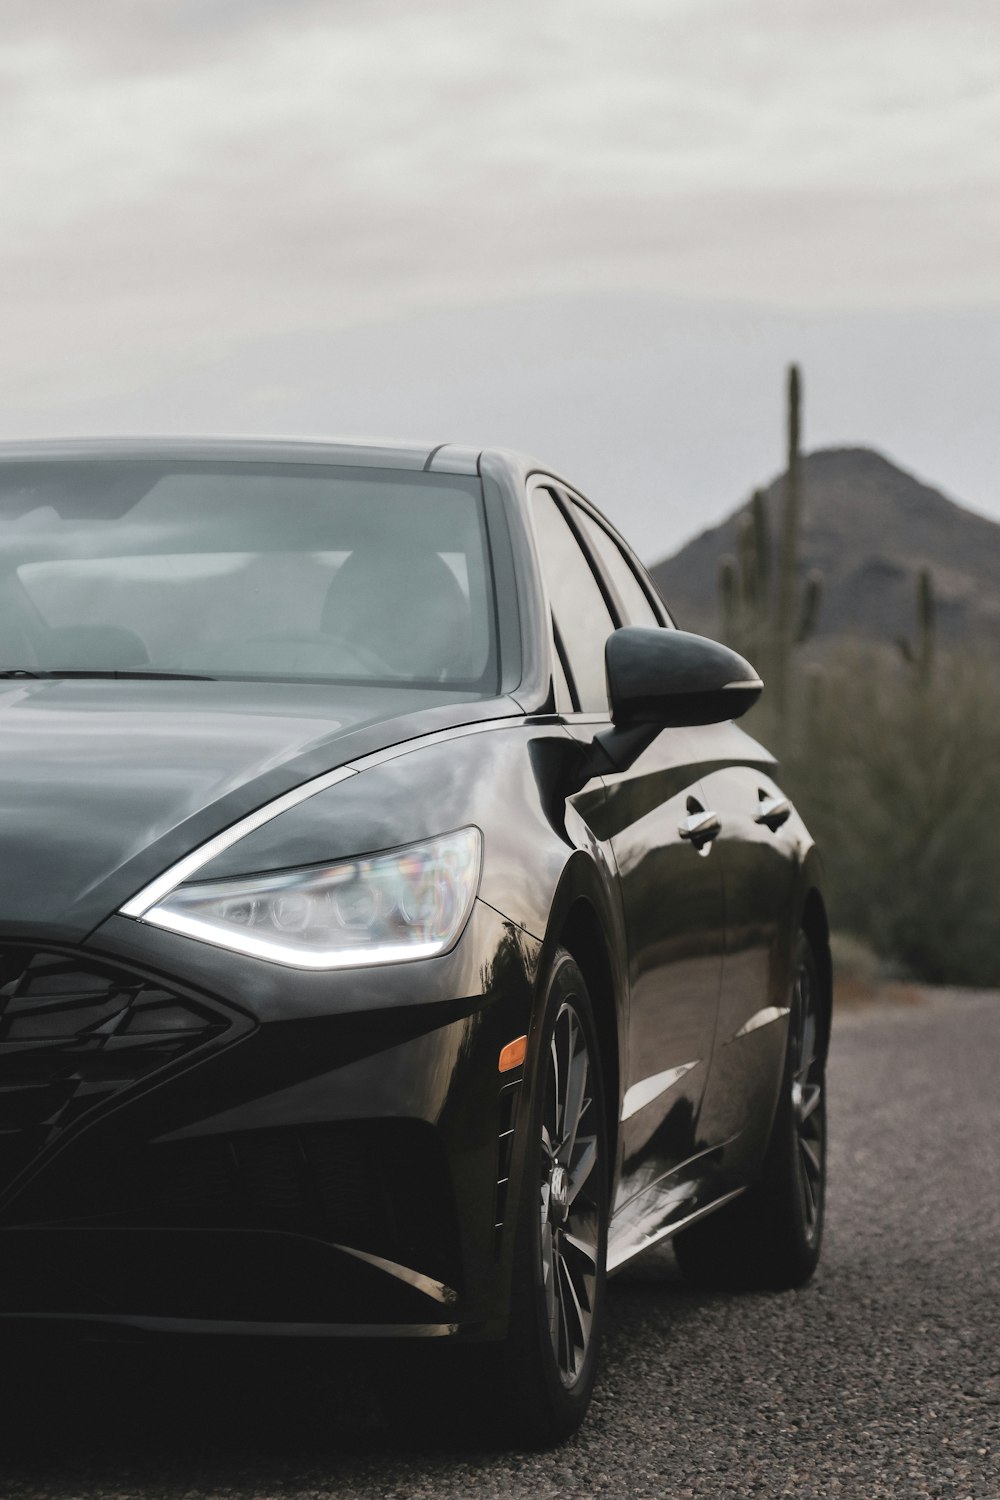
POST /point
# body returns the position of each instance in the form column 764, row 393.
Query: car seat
column 410, row 610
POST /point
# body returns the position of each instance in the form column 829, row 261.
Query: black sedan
column 396, row 933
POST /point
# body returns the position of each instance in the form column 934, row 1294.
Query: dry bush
column 899, row 781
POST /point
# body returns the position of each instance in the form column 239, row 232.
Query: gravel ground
column 880, row 1379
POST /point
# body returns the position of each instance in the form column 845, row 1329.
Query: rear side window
column 636, row 605
column 577, row 602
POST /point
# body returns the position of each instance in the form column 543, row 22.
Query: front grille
column 380, row 1186
column 334, row 1181
column 74, row 1032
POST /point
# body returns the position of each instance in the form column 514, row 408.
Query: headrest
column 410, row 610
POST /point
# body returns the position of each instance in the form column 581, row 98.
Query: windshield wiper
column 135, row 673
column 87, row 672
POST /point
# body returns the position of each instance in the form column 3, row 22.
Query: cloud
column 186, row 178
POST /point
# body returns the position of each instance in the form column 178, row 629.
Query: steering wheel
column 369, row 661
column 368, row 658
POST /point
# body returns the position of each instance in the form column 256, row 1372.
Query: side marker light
column 513, row 1055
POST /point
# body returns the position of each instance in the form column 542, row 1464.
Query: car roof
column 446, row 458
column 385, row 453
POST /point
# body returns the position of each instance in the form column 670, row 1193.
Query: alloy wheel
column 569, row 1212
column 808, row 1103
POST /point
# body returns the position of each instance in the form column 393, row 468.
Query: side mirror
column 669, row 678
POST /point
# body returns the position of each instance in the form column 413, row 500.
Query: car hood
column 105, row 783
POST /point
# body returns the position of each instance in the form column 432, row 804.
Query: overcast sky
column 595, row 229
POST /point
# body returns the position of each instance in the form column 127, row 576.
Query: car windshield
column 291, row 571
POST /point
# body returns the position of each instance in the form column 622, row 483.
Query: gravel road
column 881, row 1379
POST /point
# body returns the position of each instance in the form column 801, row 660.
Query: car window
column 577, row 602
column 273, row 570
column 638, row 610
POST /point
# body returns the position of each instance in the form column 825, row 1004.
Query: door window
column 578, row 605
column 638, row 610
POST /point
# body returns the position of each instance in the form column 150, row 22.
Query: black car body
column 195, row 1138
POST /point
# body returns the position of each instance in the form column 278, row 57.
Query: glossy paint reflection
column 671, row 899
column 759, row 868
column 106, row 781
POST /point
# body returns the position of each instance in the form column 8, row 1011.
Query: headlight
column 382, row 909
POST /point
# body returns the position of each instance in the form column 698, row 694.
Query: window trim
column 558, row 493
column 560, row 651
column 604, row 580
column 639, row 572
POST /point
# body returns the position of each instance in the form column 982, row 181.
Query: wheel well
column 817, row 929
column 583, row 937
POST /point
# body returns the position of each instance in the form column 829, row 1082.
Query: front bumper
column 301, row 1153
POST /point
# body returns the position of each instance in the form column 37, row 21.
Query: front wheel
column 549, row 1363
column 771, row 1236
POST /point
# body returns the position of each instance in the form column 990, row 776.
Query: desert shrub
column 898, row 778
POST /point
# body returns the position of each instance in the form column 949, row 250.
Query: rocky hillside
column 869, row 527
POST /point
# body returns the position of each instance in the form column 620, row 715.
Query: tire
column 549, row 1362
column 771, row 1236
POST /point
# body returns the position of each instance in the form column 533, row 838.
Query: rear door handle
column 700, row 827
column 773, row 811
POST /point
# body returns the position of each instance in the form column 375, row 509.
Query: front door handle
column 773, row 811
column 701, row 827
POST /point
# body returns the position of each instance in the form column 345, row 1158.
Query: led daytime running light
column 391, row 907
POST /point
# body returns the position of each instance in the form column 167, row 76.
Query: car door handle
column 700, row 827
column 773, row 811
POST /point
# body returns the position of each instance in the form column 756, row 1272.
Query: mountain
column 869, row 527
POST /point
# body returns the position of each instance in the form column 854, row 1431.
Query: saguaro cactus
column 790, row 530
column 761, row 609
column 921, row 655
column 744, row 581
